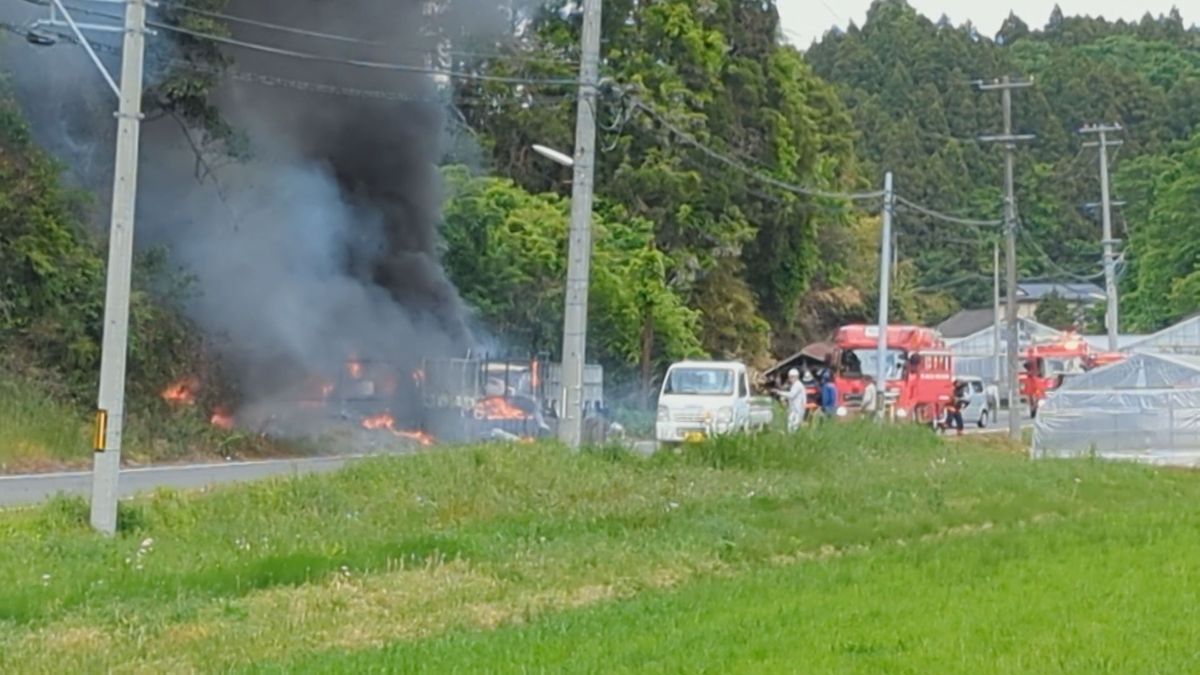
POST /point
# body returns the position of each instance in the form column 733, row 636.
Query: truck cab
column 700, row 399
column 1047, row 364
column 918, row 369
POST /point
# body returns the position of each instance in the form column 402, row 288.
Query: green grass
column 1018, row 600
column 849, row 548
column 35, row 428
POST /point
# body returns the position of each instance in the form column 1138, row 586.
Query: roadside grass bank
column 37, row 432
column 40, row 432
column 507, row 548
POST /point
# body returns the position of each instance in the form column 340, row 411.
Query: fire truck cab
column 1048, row 364
column 919, row 370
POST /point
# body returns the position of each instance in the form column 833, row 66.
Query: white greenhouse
column 1181, row 338
column 1146, row 408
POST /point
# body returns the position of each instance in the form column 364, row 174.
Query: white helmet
column 793, row 373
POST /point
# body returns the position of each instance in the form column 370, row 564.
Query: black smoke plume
column 323, row 246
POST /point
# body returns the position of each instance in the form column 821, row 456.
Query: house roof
column 967, row 322
column 1072, row 292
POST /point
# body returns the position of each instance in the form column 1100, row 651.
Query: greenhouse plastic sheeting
column 1146, row 408
column 1155, row 425
column 1141, row 371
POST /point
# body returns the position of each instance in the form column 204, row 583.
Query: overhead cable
column 739, row 166
column 945, row 217
column 345, row 38
column 357, row 63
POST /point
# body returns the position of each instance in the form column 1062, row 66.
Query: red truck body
column 919, row 367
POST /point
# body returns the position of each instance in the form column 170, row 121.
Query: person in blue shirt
column 829, row 394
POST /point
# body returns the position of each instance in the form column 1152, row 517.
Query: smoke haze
column 324, row 245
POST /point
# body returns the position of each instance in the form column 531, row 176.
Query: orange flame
column 418, row 436
column 354, row 368
column 386, row 421
column 221, row 419
column 182, row 392
column 499, row 408
column 377, row 422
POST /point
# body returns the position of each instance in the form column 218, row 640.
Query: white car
column 979, row 408
column 707, row 398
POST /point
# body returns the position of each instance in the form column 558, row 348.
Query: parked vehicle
column 700, row 399
column 919, row 383
column 1047, row 364
column 979, row 408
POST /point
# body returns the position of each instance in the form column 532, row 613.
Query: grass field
column 848, row 550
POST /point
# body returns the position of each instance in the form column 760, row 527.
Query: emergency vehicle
column 919, row 370
column 1048, row 364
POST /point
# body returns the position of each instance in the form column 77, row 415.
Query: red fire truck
column 1047, row 364
column 918, row 365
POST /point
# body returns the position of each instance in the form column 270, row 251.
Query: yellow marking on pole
column 100, row 433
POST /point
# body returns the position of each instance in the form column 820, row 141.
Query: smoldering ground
column 323, row 246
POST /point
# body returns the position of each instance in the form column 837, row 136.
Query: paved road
column 31, row 489
column 1000, row 424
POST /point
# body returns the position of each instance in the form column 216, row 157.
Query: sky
column 806, row 20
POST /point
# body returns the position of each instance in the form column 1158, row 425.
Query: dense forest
column 695, row 252
column 908, row 81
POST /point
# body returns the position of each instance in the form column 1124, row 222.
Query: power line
column 250, row 77
column 1050, row 262
column 937, row 215
column 351, row 40
column 739, row 166
column 957, row 281
column 357, row 63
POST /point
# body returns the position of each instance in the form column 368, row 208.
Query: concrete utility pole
column 885, row 278
column 579, row 248
column 1111, row 316
column 110, row 414
column 996, row 362
column 1005, row 86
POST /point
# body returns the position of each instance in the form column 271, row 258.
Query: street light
column 554, row 155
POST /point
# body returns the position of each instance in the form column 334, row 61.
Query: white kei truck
column 701, row 399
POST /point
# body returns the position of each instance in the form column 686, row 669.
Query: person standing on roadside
column 829, row 394
column 869, row 397
column 796, row 397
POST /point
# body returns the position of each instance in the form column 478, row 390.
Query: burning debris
column 221, row 419
column 182, row 392
column 500, row 408
column 385, row 421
